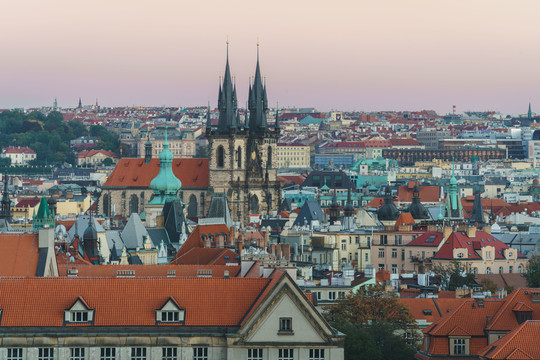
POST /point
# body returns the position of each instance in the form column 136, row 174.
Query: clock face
column 253, row 155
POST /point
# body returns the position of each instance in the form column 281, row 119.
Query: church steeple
column 165, row 185
column 227, row 102
column 147, row 148
column 5, row 209
column 80, row 104
column 477, row 215
column 258, row 102
column 529, row 113
column 453, row 207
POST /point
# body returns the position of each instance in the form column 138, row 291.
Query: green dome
column 165, row 184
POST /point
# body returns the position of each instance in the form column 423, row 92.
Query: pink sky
column 350, row 55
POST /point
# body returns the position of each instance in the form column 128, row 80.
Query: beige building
column 181, row 144
column 388, row 250
column 95, row 157
column 19, row 155
column 338, row 248
column 73, row 205
column 170, row 318
column 293, row 156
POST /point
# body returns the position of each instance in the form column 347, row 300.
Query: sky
column 342, row 54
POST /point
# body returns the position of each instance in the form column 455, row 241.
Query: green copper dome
column 165, row 185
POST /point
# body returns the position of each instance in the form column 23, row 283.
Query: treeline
column 49, row 135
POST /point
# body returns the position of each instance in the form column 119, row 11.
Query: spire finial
column 257, row 49
column 166, row 143
column 227, row 47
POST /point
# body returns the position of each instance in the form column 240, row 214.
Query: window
column 460, row 347
column 381, row 253
column 343, row 245
column 220, row 157
column 394, row 269
column 14, row 354
column 255, row 354
column 402, row 254
column 77, row 354
column 138, row 353
column 366, row 256
column 316, row 354
column 399, row 239
column 460, row 255
column 170, row 316
column 520, row 269
column 331, row 295
column 381, row 266
column 200, row 353
column 384, row 239
column 394, row 253
column 510, row 269
column 285, row 324
column 108, row 354
column 45, row 354
column 488, row 270
column 169, row 353
column 500, row 270
column 423, row 254
column 286, row 354
column 79, row 316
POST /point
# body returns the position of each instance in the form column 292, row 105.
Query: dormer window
column 170, row 313
column 79, row 312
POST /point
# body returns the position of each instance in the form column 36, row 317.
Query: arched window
column 269, row 157
column 133, row 204
column 142, row 197
column 520, row 269
column 192, row 207
column 239, row 159
column 107, row 205
column 254, row 204
column 475, row 271
column 220, row 157
column 500, row 270
column 488, row 270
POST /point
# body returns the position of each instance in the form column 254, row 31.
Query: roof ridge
column 503, row 308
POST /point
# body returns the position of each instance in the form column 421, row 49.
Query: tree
column 533, row 273
column 107, row 162
column 375, row 323
column 453, row 276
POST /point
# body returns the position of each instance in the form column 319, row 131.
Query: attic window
column 170, row 313
column 79, row 312
column 427, row 312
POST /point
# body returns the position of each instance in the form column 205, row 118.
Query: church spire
column 529, row 113
column 258, row 102
column 147, row 148
column 477, row 215
column 5, row 210
column 227, row 102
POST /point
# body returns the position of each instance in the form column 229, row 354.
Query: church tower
column 241, row 164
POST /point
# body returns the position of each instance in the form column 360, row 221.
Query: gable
column 267, row 329
column 283, row 299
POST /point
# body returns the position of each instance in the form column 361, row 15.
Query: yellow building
column 25, row 208
column 95, row 157
column 342, row 247
column 72, row 205
column 293, row 156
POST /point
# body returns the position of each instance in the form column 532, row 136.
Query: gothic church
column 241, row 154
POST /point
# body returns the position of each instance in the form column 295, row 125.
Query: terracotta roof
column 19, row 255
column 195, row 240
column 515, row 280
column 520, row 343
column 375, row 203
column 505, row 319
column 207, row 301
column 427, row 193
column 135, row 173
column 31, row 202
column 111, row 271
column 404, row 219
column 90, row 153
column 432, row 309
column 206, row 256
column 460, row 239
column 18, row 150
column 430, row 238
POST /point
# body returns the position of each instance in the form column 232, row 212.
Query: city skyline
column 349, row 56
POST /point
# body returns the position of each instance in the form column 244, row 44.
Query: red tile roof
column 135, row 173
column 112, row 271
column 404, row 219
column 427, row 193
column 460, row 239
column 19, row 255
column 90, row 153
column 207, row 301
column 520, row 343
column 429, row 238
column 18, row 150
column 31, row 202
column 206, row 256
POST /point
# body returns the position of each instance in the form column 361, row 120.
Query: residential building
column 19, row 155
column 95, row 157
column 167, row 318
column 293, row 156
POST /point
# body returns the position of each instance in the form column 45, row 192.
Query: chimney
column 487, row 229
column 471, row 232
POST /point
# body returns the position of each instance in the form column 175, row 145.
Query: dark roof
column 309, row 212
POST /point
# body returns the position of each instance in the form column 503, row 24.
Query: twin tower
column 241, row 154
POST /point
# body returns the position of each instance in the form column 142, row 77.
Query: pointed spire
column 276, row 127
column 529, row 113
column 440, row 216
column 80, row 104
column 147, row 148
column 208, row 120
column 227, row 101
